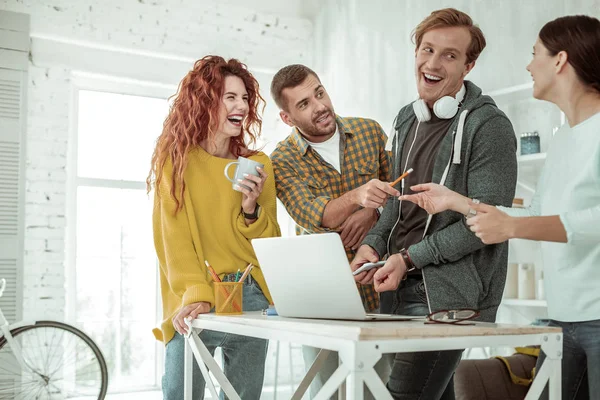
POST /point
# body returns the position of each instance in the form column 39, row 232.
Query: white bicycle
column 49, row 360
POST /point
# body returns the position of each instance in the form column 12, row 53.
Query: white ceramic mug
column 244, row 166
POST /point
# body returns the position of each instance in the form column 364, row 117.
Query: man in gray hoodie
column 455, row 136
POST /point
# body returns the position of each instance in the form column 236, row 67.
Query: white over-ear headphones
column 444, row 108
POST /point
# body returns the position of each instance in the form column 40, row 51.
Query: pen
column 247, row 271
column 225, row 292
column 235, row 289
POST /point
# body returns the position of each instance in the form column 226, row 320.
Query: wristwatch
column 410, row 266
column 472, row 212
column 253, row 215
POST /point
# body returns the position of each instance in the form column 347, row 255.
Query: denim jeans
column 310, row 354
column 243, row 357
column 580, row 360
column 423, row 375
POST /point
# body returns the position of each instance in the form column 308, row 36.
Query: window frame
column 83, row 81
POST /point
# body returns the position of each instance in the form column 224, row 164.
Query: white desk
column 361, row 344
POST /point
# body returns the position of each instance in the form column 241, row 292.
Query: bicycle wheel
column 62, row 361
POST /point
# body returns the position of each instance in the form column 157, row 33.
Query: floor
column 268, row 394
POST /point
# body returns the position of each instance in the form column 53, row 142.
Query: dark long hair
column 579, row 37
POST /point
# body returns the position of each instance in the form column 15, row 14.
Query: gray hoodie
column 477, row 158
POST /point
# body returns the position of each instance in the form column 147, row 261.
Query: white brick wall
column 175, row 28
column 47, row 142
column 184, row 28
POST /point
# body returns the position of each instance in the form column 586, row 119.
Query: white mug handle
column 226, row 171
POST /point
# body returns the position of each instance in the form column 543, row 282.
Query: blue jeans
column 580, row 361
column 423, row 375
column 243, row 357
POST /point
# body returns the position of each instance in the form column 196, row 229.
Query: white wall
column 45, row 197
column 365, row 53
column 182, row 28
column 146, row 40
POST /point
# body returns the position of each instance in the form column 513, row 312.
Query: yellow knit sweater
column 209, row 227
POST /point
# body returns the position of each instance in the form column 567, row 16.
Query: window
column 116, row 290
column 114, row 293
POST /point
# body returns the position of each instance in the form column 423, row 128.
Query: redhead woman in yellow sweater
column 198, row 216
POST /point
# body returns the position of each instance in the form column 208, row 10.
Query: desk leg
column 541, row 379
column 360, row 360
column 189, row 349
column 310, row 374
column 550, row 372
column 556, row 380
column 187, row 371
column 203, row 356
column 334, row 382
column 554, row 351
column 376, row 386
column 355, row 387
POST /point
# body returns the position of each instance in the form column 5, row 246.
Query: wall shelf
column 527, row 115
column 524, row 303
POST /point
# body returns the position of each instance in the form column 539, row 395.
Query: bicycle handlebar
column 2, row 286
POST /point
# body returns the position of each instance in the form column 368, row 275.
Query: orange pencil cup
column 228, row 298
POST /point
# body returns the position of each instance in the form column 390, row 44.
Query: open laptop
column 309, row 277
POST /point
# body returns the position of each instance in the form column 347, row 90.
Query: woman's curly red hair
column 194, row 117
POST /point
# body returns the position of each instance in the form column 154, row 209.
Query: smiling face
column 542, row 69
column 441, row 63
column 309, row 109
column 233, row 108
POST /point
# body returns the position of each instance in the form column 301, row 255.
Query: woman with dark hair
column 565, row 210
column 199, row 217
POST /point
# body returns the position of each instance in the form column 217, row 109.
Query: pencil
column 212, row 272
column 404, row 175
column 225, row 292
column 235, row 289
column 246, row 272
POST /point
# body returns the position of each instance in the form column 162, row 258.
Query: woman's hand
column 435, row 198
column 256, row 184
column 490, row 224
column 192, row 311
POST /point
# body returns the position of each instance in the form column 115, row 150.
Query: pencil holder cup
column 228, row 298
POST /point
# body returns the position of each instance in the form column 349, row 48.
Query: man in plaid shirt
column 331, row 174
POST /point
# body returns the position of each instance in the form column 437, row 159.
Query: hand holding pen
column 375, row 193
column 401, row 177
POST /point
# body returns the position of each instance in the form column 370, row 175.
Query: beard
column 314, row 128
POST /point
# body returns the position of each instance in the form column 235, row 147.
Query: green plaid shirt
column 306, row 183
